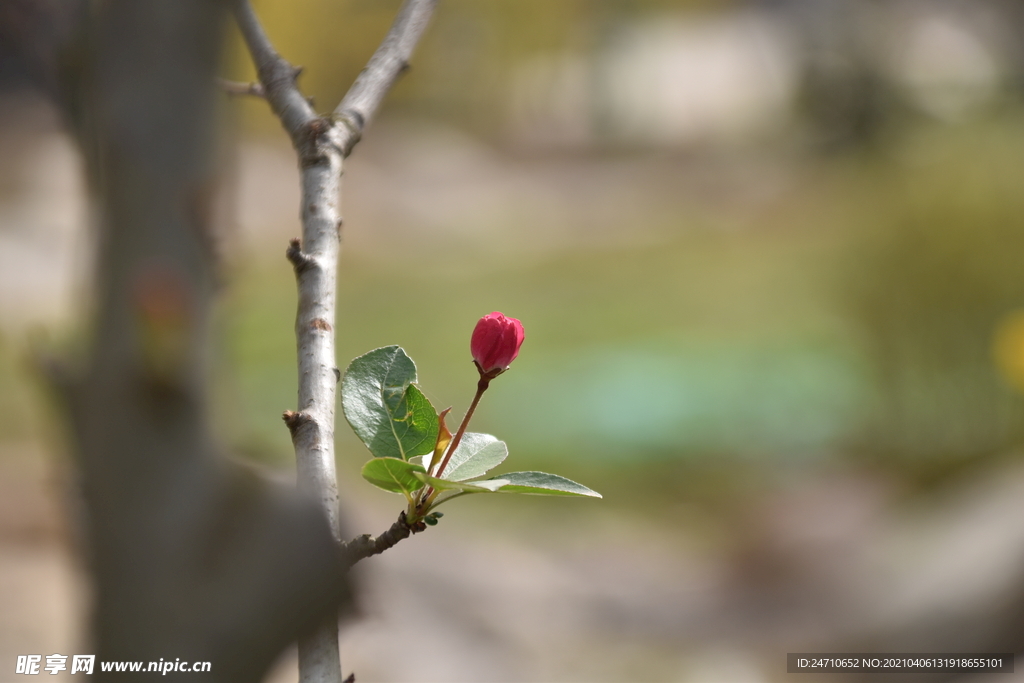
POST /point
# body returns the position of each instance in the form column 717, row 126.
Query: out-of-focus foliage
column 936, row 274
column 465, row 61
column 687, row 300
column 855, row 312
column 768, row 253
column 18, row 420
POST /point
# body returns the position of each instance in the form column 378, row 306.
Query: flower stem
column 430, row 493
column 481, row 387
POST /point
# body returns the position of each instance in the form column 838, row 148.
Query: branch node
column 299, row 260
column 311, row 140
column 294, row 420
column 354, row 122
column 320, row 324
column 235, row 88
column 317, row 128
column 296, row 72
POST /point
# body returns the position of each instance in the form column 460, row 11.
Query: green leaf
column 392, row 474
column 541, row 484
column 386, row 410
column 475, row 456
column 487, row 486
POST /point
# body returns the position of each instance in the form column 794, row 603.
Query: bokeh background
column 769, row 260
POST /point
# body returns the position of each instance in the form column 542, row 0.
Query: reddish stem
column 481, row 387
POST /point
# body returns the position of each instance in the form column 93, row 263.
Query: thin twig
column 320, row 164
column 277, row 76
column 322, row 145
column 361, row 547
column 239, row 88
column 389, row 62
column 298, row 259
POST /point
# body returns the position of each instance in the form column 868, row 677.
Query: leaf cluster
column 408, row 438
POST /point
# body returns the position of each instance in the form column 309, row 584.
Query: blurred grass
column 850, row 316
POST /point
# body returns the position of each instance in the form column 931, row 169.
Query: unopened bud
column 495, row 343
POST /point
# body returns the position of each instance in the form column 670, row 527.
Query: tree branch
column 315, row 260
column 277, row 76
column 322, row 145
column 237, row 88
column 389, row 62
column 298, row 259
column 361, row 547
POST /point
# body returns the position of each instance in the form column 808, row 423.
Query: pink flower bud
column 495, row 343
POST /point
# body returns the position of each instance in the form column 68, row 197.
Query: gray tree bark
column 322, row 144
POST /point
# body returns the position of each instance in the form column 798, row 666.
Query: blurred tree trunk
column 192, row 557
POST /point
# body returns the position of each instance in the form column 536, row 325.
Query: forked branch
column 322, row 144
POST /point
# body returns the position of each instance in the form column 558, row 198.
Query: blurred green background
column 735, row 269
column 816, row 287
